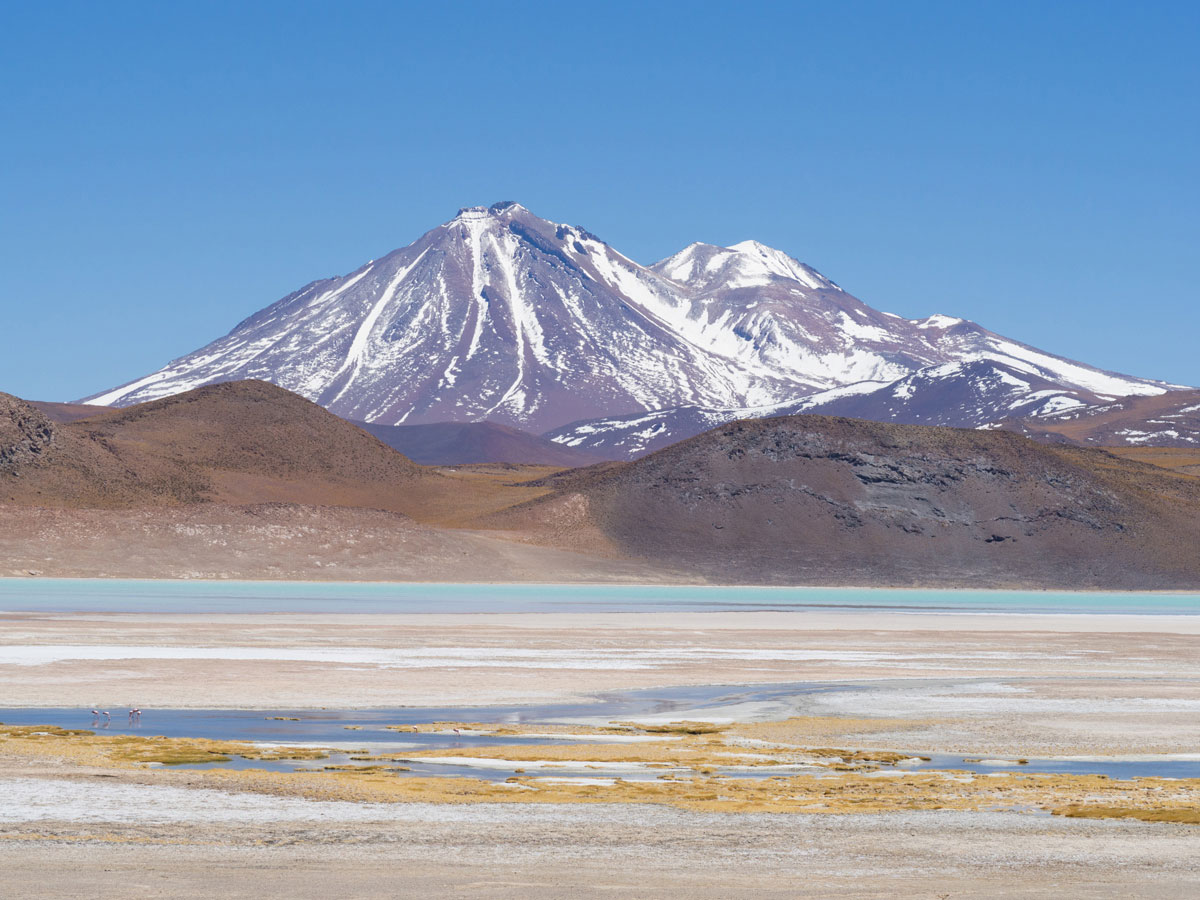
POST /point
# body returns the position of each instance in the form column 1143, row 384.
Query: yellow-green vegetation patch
column 886, row 757
column 843, row 788
column 846, row 793
column 99, row 749
column 688, row 752
column 365, row 769
column 190, row 751
column 281, row 752
column 1183, row 815
column 40, row 731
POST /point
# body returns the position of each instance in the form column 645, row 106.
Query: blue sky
column 167, row 169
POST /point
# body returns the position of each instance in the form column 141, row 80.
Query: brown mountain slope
column 246, row 480
column 1164, row 420
column 464, row 443
column 1179, row 459
column 68, row 412
column 821, row 500
column 243, row 442
column 279, row 541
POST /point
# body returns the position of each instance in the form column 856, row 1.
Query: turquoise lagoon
column 197, row 596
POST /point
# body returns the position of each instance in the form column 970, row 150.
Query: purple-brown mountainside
column 244, row 478
column 463, row 443
column 63, row 413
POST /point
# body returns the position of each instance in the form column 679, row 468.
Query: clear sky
column 166, row 169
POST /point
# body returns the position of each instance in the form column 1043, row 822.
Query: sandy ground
column 516, row 852
column 986, row 684
column 287, row 542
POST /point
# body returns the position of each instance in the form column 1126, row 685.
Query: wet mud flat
column 687, row 747
column 435, row 741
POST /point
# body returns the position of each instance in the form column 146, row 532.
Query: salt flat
column 173, row 843
column 1000, row 686
column 976, row 683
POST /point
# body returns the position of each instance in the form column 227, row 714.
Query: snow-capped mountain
column 501, row 315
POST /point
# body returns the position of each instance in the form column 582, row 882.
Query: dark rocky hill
column 824, row 500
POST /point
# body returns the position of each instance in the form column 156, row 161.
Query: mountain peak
column 756, row 247
column 505, row 209
column 766, row 261
column 742, row 265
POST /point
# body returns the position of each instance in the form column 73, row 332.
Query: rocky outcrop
column 25, row 434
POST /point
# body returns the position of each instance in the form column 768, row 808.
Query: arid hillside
column 822, row 500
column 1178, row 459
column 68, row 412
column 248, row 480
column 237, row 443
column 242, row 442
